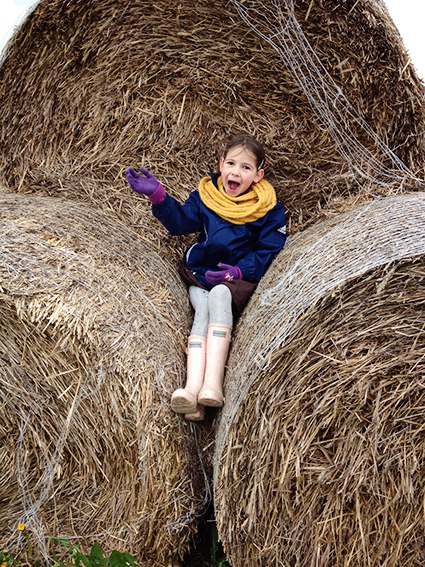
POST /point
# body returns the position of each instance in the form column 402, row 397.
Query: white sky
column 408, row 16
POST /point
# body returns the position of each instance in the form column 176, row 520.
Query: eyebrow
column 243, row 163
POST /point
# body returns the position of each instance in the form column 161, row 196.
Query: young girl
column 241, row 229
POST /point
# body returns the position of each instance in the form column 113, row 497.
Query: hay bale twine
column 93, row 326
column 320, row 451
column 89, row 88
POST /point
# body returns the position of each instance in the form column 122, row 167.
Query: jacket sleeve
column 271, row 240
column 179, row 219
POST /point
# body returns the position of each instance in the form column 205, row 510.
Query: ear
column 259, row 176
column 221, row 163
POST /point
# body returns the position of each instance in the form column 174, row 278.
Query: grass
column 208, row 552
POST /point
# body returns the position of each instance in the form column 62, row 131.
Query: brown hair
column 248, row 143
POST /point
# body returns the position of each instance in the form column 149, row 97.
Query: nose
column 236, row 171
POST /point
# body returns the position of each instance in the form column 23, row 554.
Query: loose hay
column 93, row 325
column 89, row 88
column 320, row 453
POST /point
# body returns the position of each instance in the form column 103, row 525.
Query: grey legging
column 214, row 306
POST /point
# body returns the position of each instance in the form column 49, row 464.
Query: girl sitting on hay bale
column 242, row 228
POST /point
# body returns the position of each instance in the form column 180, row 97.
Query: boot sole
column 183, row 402
column 210, row 399
column 199, row 415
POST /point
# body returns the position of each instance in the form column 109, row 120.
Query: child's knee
column 221, row 295
column 220, row 305
column 198, row 298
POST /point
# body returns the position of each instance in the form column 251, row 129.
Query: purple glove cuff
column 239, row 272
column 158, row 195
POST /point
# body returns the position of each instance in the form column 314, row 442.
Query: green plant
column 63, row 553
column 7, row 559
column 96, row 558
column 218, row 558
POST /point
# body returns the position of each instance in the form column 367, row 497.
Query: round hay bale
column 90, row 88
column 93, row 326
column 320, row 450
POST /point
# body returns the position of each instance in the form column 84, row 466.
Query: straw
column 93, row 327
column 91, row 88
column 320, row 446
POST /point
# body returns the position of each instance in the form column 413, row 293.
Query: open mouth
column 233, row 185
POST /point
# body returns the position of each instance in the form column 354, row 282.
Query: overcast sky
column 408, row 16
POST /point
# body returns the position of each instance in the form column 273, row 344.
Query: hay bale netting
column 320, row 451
column 93, row 325
column 89, row 88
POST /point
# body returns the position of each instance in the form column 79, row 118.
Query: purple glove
column 226, row 274
column 144, row 185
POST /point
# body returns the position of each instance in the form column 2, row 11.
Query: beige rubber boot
column 218, row 341
column 198, row 415
column 185, row 400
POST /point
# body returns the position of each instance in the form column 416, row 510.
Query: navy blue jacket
column 250, row 246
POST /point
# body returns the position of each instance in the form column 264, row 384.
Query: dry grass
column 93, row 326
column 320, row 449
column 89, row 88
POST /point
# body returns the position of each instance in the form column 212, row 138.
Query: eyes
column 246, row 167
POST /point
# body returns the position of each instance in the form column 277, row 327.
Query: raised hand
column 144, row 185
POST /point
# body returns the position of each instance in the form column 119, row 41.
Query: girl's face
column 239, row 170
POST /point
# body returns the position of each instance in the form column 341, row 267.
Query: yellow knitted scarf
column 238, row 210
